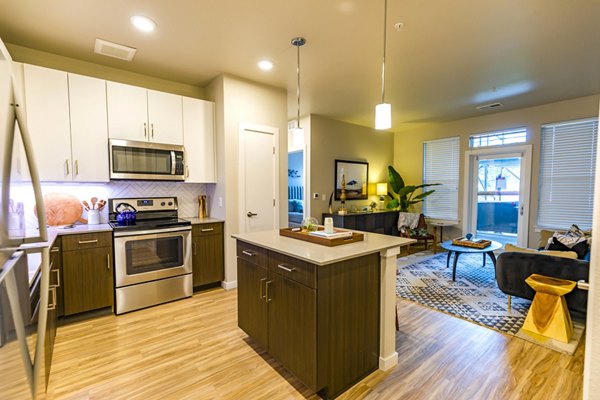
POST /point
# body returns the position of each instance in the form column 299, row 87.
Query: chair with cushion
column 413, row 226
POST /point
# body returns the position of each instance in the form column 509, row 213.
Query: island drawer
column 86, row 241
column 292, row 268
column 253, row 254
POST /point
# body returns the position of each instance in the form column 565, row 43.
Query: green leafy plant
column 403, row 196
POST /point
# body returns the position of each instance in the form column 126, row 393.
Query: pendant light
column 383, row 111
column 298, row 41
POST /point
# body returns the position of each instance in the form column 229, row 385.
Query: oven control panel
column 148, row 204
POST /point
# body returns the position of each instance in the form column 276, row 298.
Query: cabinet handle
column 76, row 167
column 248, row 253
column 54, row 250
column 194, row 243
column 207, row 230
column 267, row 299
column 260, row 291
column 88, row 241
column 145, row 129
column 285, row 268
column 67, row 167
column 152, row 130
column 57, row 278
column 187, row 171
column 108, row 261
column 53, row 305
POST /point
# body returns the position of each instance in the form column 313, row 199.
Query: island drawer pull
column 249, row 253
column 57, row 284
column 88, row 241
column 207, row 230
column 54, row 250
column 286, row 268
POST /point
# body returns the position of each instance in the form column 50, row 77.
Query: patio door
column 497, row 193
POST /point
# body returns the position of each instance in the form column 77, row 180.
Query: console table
column 385, row 221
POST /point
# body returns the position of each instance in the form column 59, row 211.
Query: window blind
column 567, row 168
column 440, row 165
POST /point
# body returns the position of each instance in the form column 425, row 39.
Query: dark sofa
column 512, row 268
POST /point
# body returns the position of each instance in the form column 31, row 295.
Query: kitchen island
column 326, row 313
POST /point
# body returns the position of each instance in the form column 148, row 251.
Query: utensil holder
column 93, row 217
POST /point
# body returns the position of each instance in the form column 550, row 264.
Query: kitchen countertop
column 196, row 221
column 319, row 254
column 34, row 258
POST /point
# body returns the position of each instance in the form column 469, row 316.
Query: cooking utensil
column 101, row 204
column 86, row 205
column 94, row 201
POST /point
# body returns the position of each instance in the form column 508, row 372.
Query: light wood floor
column 192, row 349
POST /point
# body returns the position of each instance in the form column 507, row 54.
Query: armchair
column 413, row 226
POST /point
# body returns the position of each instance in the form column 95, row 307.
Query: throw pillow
column 291, row 205
column 580, row 248
column 299, row 206
column 564, row 254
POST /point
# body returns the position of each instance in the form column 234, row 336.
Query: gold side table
column 548, row 315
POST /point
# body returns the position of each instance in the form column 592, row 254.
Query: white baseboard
column 229, row 285
column 388, row 362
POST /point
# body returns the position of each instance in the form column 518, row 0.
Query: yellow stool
column 548, row 315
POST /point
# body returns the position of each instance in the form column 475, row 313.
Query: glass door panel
column 498, row 194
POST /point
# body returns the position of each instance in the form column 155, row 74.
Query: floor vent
column 114, row 50
column 492, row 105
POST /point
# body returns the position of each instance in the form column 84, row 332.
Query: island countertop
column 320, row 254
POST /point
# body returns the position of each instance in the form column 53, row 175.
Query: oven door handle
column 152, row 231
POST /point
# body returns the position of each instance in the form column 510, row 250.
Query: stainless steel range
column 153, row 261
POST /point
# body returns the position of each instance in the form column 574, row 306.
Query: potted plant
column 403, row 196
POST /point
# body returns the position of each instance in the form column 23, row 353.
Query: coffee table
column 458, row 250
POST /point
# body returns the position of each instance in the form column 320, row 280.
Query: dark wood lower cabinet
column 320, row 322
column 88, row 279
column 55, row 302
column 207, row 254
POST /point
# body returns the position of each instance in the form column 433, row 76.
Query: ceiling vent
column 492, row 105
column 114, row 50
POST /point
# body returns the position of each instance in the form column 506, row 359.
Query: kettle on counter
column 126, row 214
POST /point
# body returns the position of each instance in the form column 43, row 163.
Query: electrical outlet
column 316, row 196
column 220, row 202
column 323, row 197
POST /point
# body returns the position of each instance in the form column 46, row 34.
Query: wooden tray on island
column 356, row 237
column 476, row 244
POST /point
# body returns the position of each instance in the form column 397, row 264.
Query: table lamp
column 381, row 192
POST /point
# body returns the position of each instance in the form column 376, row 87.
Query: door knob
column 251, row 214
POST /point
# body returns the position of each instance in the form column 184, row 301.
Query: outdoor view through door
column 499, row 181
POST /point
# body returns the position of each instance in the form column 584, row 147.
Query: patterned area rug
column 474, row 296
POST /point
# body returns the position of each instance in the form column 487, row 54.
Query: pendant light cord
column 298, row 85
column 384, row 47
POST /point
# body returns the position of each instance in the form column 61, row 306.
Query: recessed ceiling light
column 143, row 23
column 265, row 65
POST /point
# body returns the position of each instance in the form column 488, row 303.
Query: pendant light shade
column 383, row 116
column 383, row 111
column 298, row 41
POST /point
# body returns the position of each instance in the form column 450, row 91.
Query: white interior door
column 496, row 205
column 258, row 178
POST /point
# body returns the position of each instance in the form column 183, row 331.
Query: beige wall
column 331, row 140
column 237, row 102
column 408, row 142
column 49, row 60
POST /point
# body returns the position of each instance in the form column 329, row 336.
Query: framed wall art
column 355, row 174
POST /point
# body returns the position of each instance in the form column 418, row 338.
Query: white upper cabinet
column 165, row 117
column 47, row 107
column 199, row 140
column 135, row 113
column 89, row 130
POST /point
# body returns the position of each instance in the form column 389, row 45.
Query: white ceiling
column 448, row 58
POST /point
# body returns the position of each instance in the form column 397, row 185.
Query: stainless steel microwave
column 146, row 161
